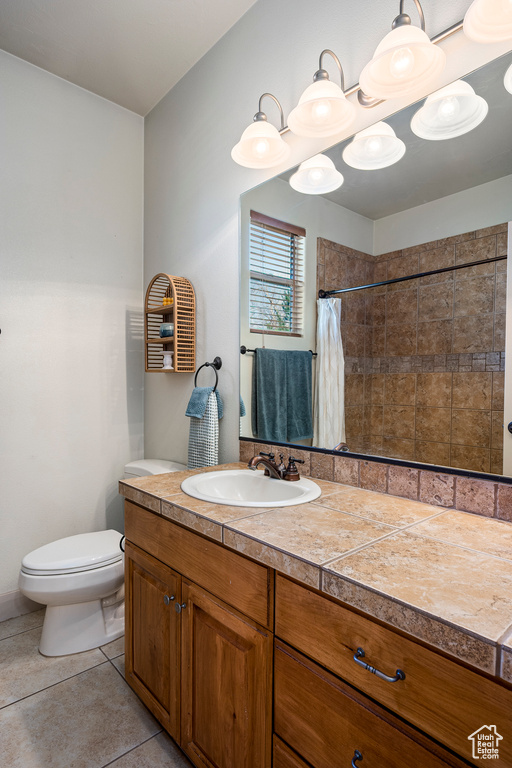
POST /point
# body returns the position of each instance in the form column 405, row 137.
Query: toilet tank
column 143, row 467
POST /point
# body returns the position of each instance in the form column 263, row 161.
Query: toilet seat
column 74, row 554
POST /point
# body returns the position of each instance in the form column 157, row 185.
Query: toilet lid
column 74, row 553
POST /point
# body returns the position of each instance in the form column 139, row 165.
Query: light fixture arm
column 404, row 18
column 322, row 74
column 262, row 116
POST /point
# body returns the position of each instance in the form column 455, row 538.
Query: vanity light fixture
column 507, row 81
column 405, row 61
column 452, row 111
column 323, row 108
column 376, row 147
column 261, row 144
column 316, row 176
column 489, row 21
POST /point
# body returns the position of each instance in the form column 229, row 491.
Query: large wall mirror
column 424, row 358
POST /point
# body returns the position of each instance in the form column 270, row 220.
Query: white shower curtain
column 329, row 416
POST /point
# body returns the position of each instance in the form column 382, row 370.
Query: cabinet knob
column 359, row 654
column 180, row 607
column 357, row 756
column 168, row 600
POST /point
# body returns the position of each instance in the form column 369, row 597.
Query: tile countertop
column 442, row 576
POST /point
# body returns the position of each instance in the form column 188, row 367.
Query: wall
column 71, row 404
column 192, row 187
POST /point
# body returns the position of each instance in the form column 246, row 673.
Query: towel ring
column 217, row 363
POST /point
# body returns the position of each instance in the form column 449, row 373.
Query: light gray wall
column 71, row 403
column 192, row 187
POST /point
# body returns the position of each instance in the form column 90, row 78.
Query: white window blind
column 276, row 285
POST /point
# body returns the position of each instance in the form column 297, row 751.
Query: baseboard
column 14, row 604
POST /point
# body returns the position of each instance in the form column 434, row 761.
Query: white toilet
column 81, row 581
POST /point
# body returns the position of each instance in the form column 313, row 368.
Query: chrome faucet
column 280, row 472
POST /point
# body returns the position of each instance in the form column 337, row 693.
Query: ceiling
column 131, row 52
column 433, row 169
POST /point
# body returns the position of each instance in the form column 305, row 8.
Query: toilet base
column 82, row 626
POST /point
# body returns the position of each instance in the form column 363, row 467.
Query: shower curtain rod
column 326, row 294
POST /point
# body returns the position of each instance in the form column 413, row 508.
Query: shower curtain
column 329, row 416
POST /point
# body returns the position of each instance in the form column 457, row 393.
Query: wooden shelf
column 182, row 312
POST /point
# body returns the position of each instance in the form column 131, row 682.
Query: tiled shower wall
column 424, row 359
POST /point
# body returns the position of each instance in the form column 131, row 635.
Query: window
column 276, row 284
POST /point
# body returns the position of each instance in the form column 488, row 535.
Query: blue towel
column 197, row 404
column 242, row 407
column 282, row 408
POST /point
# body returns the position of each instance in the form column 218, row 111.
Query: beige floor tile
column 466, row 588
column 119, row 664
column 21, row 623
column 24, row 671
column 158, row 752
column 113, row 649
column 85, row 722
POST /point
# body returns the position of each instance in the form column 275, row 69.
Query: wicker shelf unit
column 182, row 313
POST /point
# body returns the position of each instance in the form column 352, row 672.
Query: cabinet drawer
column 284, row 757
column 327, row 722
column 245, row 585
column 439, row 696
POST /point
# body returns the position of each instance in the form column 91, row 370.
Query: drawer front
column 443, row 698
column 284, row 757
column 245, row 585
column 329, row 725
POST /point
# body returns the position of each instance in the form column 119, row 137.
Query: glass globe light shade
column 404, row 62
column 261, row 146
column 323, row 110
column 449, row 112
column 375, row 147
column 489, row 21
column 507, row 81
column 316, row 176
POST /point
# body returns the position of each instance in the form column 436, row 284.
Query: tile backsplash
column 468, row 494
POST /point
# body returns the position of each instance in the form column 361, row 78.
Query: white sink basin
column 248, row 488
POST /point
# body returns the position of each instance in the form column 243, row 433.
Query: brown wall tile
column 433, row 453
column 474, row 296
column 434, row 389
column 472, row 390
column 379, row 341
column 473, row 495
column 454, row 239
column 497, row 430
column 496, row 461
column 435, row 302
column 401, row 340
column 376, row 420
column 246, row 450
column 498, row 391
column 433, row 424
column 377, row 388
column 353, row 421
column 438, row 258
column 476, row 250
column 373, row 476
column 407, row 264
column 435, row 337
column 473, row 334
column 403, row 482
column 398, row 421
column 469, row 457
column 499, row 333
column 471, row 427
column 398, row 448
column 437, row 489
column 354, row 389
column 322, row 466
column 346, row 470
column 400, row 389
column 500, row 294
column 402, row 307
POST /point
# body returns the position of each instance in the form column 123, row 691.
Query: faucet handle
column 268, row 455
column 296, row 461
column 292, row 472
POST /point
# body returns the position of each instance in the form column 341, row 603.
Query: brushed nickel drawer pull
column 359, row 654
column 180, row 607
column 357, row 756
column 168, row 600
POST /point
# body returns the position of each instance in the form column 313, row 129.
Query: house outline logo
column 485, row 742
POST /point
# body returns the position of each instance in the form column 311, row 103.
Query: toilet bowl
column 81, row 581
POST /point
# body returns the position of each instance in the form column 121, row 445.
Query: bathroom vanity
column 248, row 662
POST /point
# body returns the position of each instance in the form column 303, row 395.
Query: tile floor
column 73, row 711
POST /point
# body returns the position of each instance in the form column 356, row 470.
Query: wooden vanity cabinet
column 201, row 665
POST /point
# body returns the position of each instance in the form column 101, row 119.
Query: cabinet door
column 152, row 635
column 226, row 685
